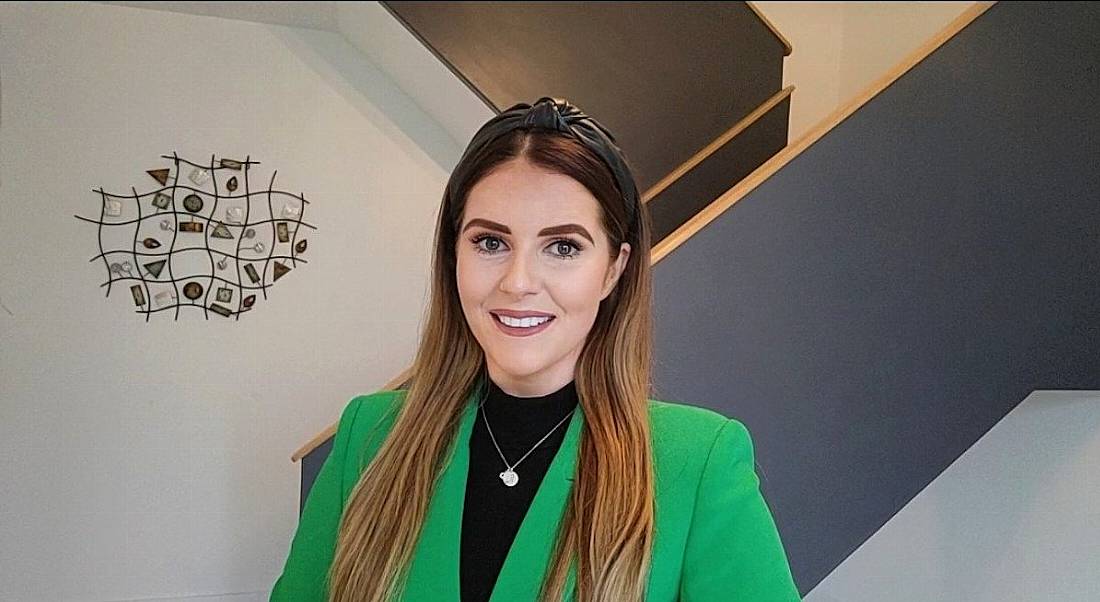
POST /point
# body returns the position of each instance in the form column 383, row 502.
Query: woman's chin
column 514, row 367
column 521, row 372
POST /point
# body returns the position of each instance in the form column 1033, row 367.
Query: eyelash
column 577, row 247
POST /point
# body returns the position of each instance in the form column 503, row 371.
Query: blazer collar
column 434, row 569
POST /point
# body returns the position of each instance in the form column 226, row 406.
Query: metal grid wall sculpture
column 157, row 211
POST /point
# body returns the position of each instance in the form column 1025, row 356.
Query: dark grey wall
column 311, row 467
column 876, row 306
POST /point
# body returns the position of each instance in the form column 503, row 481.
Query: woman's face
column 530, row 241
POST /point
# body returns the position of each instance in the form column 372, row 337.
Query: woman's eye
column 562, row 246
column 566, row 245
column 483, row 250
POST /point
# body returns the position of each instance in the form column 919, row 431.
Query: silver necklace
column 509, row 475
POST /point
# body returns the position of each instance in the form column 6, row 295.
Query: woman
column 524, row 461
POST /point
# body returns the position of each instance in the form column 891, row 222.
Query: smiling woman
column 525, row 460
column 530, row 258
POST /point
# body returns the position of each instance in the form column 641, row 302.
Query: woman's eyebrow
column 551, row 231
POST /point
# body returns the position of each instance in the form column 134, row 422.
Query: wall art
column 205, row 240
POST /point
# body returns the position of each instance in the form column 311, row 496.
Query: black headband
column 555, row 114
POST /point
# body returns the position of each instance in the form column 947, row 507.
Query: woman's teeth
column 521, row 322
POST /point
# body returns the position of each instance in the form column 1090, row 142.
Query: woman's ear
column 615, row 270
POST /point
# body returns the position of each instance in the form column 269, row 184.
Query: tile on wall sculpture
column 154, row 268
column 160, row 175
column 199, row 176
column 192, row 290
column 252, row 274
column 112, row 207
column 192, row 203
column 220, row 231
column 279, row 270
column 165, row 298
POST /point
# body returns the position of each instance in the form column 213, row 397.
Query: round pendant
column 509, row 477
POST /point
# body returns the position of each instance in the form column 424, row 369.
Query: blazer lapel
column 434, row 569
column 528, row 559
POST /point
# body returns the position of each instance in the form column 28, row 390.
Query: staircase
column 691, row 90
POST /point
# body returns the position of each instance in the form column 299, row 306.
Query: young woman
column 525, row 460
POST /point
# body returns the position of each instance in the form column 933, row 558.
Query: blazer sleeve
column 733, row 550
column 305, row 572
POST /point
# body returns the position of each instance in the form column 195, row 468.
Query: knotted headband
column 560, row 115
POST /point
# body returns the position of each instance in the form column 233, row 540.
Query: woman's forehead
column 530, row 196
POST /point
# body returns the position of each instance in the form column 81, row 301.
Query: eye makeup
column 578, row 248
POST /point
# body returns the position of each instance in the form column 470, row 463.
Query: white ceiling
column 311, row 15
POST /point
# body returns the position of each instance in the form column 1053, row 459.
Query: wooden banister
column 787, row 49
column 717, row 143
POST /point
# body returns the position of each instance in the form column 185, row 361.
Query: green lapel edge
column 434, row 572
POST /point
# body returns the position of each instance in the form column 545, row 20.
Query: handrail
column 766, row 170
column 787, row 49
column 717, row 143
column 778, row 160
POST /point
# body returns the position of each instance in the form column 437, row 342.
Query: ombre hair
column 607, row 528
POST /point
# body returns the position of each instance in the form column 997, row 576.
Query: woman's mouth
column 524, row 327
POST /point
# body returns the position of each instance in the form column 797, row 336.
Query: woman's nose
column 520, row 277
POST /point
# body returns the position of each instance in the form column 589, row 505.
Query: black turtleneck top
column 493, row 511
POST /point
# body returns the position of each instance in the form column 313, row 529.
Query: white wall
column 151, row 460
column 842, row 47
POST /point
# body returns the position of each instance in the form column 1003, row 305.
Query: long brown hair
column 608, row 524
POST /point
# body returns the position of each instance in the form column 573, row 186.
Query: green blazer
column 715, row 539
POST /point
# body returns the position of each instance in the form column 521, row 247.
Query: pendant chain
column 509, row 476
